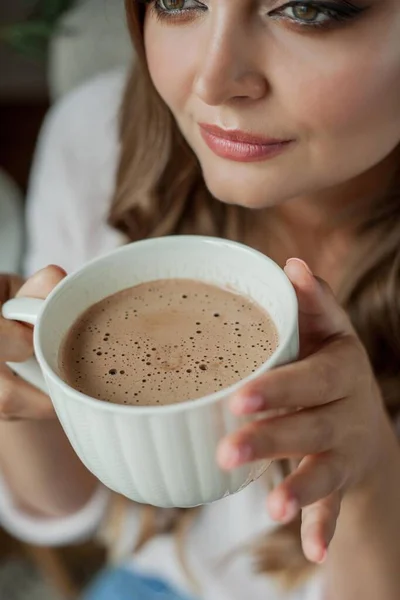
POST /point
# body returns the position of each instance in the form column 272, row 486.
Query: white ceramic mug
column 161, row 455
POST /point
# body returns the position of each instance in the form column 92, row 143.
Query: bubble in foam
column 203, row 357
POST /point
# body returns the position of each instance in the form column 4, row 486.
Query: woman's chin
column 243, row 194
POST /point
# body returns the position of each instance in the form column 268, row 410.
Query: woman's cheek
column 171, row 70
column 362, row 96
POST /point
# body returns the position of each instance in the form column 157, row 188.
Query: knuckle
column 336, row 473
column 7, row 399
column 341, row 472
column 326, row 377
column 17, row 344
column 323, row 433
column 261, row 438
column 47, row 412
column 325, row 286
column 357, row 360
column 353, row 348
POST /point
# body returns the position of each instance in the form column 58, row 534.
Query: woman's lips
column 240, row 146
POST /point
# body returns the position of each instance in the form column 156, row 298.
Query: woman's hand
column 335, row 427
column 18, row 399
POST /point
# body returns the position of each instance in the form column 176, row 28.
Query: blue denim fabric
column 124, row 584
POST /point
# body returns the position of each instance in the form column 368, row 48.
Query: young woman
column 276, row 123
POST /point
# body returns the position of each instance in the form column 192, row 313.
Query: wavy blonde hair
column 160, row 191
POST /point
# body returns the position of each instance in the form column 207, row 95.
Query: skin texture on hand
column 333, row 428
column 33, row 447
column 18, row 399
column 15, row 338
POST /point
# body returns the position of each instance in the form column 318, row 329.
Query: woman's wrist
column 33, row 454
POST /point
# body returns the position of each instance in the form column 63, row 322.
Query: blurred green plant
column 31, row 36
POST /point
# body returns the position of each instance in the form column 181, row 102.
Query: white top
column 11, row 225
column 70, row 194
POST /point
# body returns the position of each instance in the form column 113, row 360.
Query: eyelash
column 334, row 12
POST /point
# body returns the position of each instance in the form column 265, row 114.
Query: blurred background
column 47, row 48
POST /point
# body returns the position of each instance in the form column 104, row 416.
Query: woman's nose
column 228, row 69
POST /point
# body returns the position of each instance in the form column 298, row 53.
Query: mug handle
column 26, row 310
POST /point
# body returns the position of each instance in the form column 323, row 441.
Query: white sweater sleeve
column 69, row 198
column 41, row 531
column 73, row 178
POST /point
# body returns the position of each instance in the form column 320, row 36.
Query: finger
column 316, row 477
column 320, row 314
column 9, row 286
column 42, row 283
column 20, row 400
column 318, row 527
column 292, row 436
column 16, row 340
column 323, row 377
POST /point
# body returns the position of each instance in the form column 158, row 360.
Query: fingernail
column 282, row 510
column 248, row 404
column 317, row 552
column 299, row 260
column 232, row 456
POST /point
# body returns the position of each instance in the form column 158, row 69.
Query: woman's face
column 279, row 99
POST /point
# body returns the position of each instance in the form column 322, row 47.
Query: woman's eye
column 310, row 13
column 176, row 9
column 172, row 4
column 176, row 5
column 305, row 13
column 316, row 15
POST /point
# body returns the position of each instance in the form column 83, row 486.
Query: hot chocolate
column 166, row 342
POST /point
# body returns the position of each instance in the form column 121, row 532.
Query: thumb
column 16, row 337
column 42, row 283
column 320, row 314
